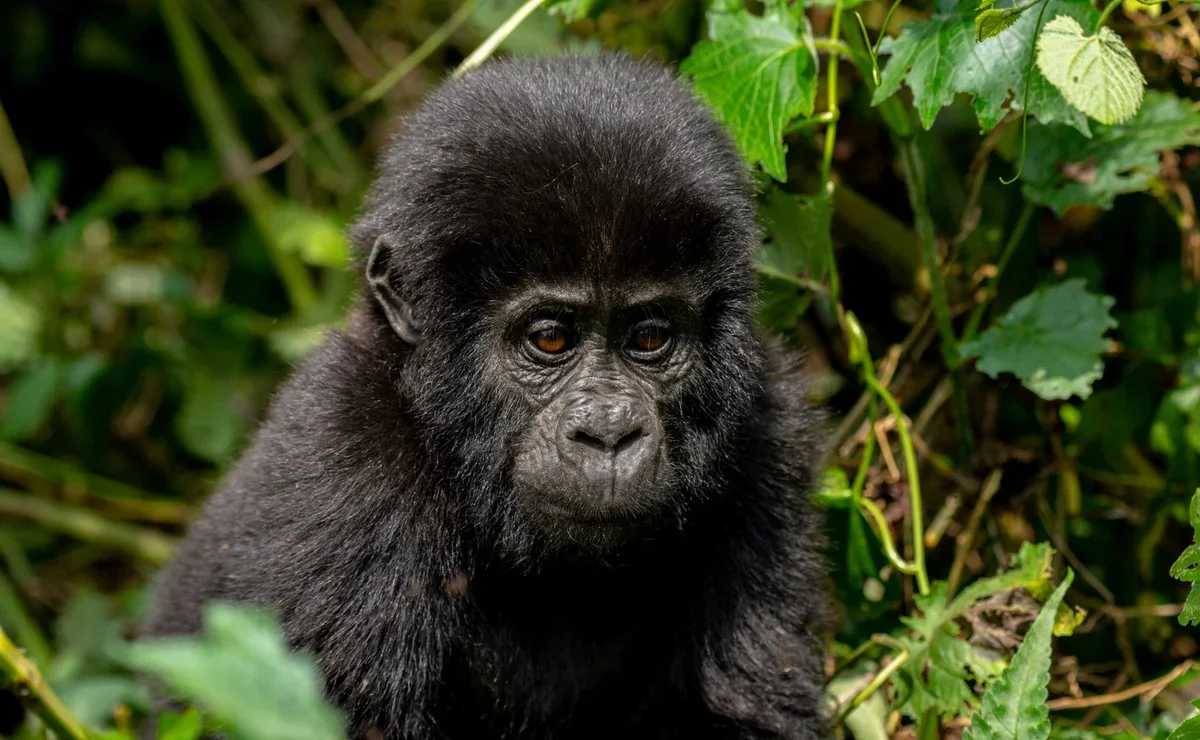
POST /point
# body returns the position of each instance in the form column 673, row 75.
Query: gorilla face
column 575, row 291
column 595, row 459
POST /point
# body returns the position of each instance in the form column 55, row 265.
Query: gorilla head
column 565, row 259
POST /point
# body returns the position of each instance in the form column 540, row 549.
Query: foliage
column 1052, row 339
column 161, row 270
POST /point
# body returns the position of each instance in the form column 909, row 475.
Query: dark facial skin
column 596, row 461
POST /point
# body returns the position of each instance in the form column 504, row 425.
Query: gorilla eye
column 649, row 337
column 551, row 340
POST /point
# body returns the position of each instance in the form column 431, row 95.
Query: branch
column 33, row 691
column 146, row 544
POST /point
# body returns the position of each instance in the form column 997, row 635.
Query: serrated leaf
column 1052, row 339
column 991, row 22
column 939, row 58
column 28, row 401
column 1123, row 158
column 241, row 671
column 1097, row 74
column 1014, row 705
column 1187, row 567
column 757, row 73
column 1189, row 729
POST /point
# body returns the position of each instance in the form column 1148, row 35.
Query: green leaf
column 1063, row 168
column 1187, row 567
column 758, row 73
column 242, row 672
column 1051, row 339
column 1096, row 74
column 991, row 22
column 28, row 401
column 208, row 425
column 798, row 230
column 315, row 236
column 1014, row 706
column 20, row 327
column 574, row 10
column 16, row 252
column 1190, row 728
column 184, row 726
column 937, row 677
column 939, row 58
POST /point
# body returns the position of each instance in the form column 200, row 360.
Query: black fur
column 375, row 511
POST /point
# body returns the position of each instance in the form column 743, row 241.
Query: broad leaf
column 1052, row 339
column 798, row 230
column 242, row 672
column 1190, row 728
column 20, row 326
column 1097, row 74
column 208, row 424
column 28, row 401
column 1014, row 706
column 315, row 236
column 1187, row 567
column 758, row 73
column 939, row 58
column 1063, row 168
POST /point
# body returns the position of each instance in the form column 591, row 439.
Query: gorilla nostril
column 624, row 443
column 588, row 440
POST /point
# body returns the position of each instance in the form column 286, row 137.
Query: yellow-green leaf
column 1097, row 74
column 993, row 21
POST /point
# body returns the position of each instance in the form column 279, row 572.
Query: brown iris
column 649, row 338
column 551, row 340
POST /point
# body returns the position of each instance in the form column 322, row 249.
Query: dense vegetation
column 979, row 220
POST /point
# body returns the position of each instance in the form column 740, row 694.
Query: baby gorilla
column 549, row 483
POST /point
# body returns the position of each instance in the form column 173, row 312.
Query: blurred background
column 178, row 176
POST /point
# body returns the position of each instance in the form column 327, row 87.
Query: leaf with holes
column 758, row 73
column 939, row 58
column 1014, row 706
column 1097, row 74
column 1051, row 339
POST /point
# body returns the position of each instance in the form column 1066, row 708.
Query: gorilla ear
column 379, row 273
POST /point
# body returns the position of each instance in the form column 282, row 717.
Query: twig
column 966, row 541
column 33, row 691
column 355, row 48
column 146, row 544
column 1148, row 690
column 491, row 43
column 1011, row 246
column 234, row 155
column 371, row 95
column 879, row 680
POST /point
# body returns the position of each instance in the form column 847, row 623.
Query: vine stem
column 876, row 683
column 1014, row 239
column 1108, row 9
column 831, row 106
column 484, row 50
column 31, row 688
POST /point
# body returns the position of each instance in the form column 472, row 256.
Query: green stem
column 484, row 50
column 876, row 683
column 18, row 671
column 12, row 164
column 422, row 52
column 887, row 19
column 1108, row 9
column 145, row 544
column 831, row 105
column 24, row 626
column 235, row 158
column 914, row 481
column 1011, row 246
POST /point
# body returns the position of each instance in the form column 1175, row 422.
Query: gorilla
column 549, row 481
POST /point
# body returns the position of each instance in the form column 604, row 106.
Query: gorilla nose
column 612, row 445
